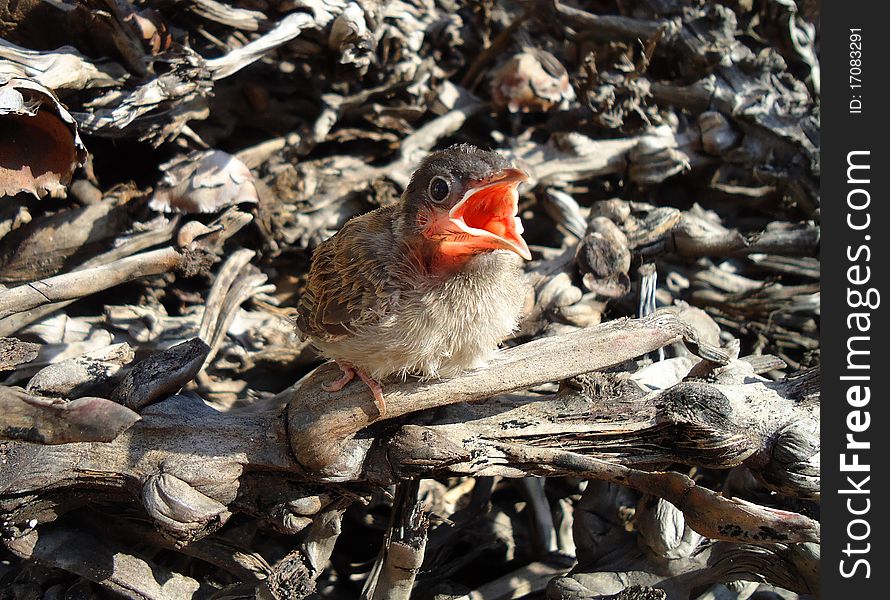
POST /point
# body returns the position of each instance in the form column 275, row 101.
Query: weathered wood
column 55, row 421
column 107, row 563
column 14, row 352
column 161, row 375
column 89, row 281
column 321, row 423
column 516, row 438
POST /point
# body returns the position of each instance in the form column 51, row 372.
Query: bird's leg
column 348, row 375
column 376, row 389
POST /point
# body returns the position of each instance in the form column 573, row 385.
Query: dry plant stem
column 196, row 243
column 530, row 579
column 287, row 29
column 321, row 422
column 486, row 439
column 613, row 26
column 181, row 441
column 603, row 157
column 790, row 566
column 136, row 243
column 705, row 511
column 401, row 556
column 236, row 281
column 246, row 287
column 294, row 575
column 544, row 531
column 322, row 536
column 60, row 69
column 77, row 284
column 49, row 244
column 238, row 18
column 230, row 556
column 224, row 280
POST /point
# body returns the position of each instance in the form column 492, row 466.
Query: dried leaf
column 61, row 69
column 39, row 146
column 205, row 182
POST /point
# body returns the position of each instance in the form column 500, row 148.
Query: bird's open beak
column 486, row 217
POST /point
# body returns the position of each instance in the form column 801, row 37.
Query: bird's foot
column 376, row 389
column 348, row 375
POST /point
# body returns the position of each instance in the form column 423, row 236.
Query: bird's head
column 463, row 201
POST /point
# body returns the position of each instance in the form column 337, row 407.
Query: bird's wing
column 349, row 280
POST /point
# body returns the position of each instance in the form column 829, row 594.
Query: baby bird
column 428, row 286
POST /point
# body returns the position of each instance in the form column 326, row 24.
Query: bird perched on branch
column 428, row 286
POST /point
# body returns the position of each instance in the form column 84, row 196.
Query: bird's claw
column 377, row 390
column 349, row 373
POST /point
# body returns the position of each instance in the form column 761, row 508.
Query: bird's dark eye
column 439, row 189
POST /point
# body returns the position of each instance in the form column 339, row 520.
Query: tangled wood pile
column 166, row 169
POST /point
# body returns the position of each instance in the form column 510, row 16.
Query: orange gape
column 484, row 219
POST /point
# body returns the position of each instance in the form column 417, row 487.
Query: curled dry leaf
column 352, row 38
column 204, row 182
column 40, row 147
column 532, row 81
column 603, row 257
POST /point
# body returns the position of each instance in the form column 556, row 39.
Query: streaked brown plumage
column 428, row 286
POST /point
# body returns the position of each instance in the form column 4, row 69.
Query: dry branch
column 518, row 440
column 109, row 563
column 289, row 28
column 321, row 423
column 89, row 281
